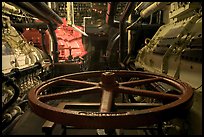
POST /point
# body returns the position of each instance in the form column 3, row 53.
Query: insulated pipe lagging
column 153, row 8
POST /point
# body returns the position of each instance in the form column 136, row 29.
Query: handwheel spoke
column 147, row 93
column 79, row 82
column 64, row 94
column 139, row 82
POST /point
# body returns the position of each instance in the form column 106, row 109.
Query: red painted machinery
column 69, row 41
column 33, row 35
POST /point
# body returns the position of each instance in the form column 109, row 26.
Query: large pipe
column 153, row 8
column 27, row 7
column 49, row 17
column 48, row 12
column 38, row 10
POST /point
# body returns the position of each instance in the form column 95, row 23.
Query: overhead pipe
column 40, row 10
column 153, row 8
column 49, row 17
column 149, row 11
column 48, row 12
column 112, row 6
column 143, row 5
column 27, row 7
column 52, row 26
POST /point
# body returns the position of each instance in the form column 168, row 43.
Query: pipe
column 110, row 13
column 49, row 5
column 52, row 28
column 139, row 5
column 149, row 11
column 40, row 10
column 8, row 128
column 49, row 17
column 48, row 12
column 43, row 45
column 153, row 8
column 69, row 15
column 111, row 44
column 27, row 7
column 80, row 31
column 143, row 5
column 84, row 22
column 36, row 25
column 128, row 9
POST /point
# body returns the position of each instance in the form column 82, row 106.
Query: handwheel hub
column 108, row 80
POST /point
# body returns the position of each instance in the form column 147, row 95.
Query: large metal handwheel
column 109, row 87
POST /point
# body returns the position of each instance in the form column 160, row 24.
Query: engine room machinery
column 101, row 68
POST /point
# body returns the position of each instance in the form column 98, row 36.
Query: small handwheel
column 110, row 87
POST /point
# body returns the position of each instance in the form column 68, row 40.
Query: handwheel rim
column 129, row 119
